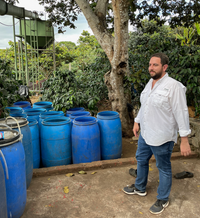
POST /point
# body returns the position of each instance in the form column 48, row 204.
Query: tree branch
column 102, row 6
column 105, row 39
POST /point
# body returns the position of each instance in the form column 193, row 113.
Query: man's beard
column 157, row 75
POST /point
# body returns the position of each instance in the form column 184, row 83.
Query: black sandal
column 133, row 172
column 183, row 175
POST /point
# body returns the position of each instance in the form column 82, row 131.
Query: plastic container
column 15, row 171
column 21, row 124
column 56, row 141
column 23, row 104
column 85, row 140
column 111, row 134
column 49, row 114
column 3, row 204
column 75, row 109
column 34, row 113
column 34, row 127
column 44, row 104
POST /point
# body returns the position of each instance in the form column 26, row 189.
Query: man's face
column 156, row 69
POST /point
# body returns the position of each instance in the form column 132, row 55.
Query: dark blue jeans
column 162, row 155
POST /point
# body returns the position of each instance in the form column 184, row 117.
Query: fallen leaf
column 140, row 212
column 69, row 174
column 184, row 162
column 66, row 189
column 158, row 181
column 93, row 173
column 82, row 172
column 150, row 169
column 131, row 142
column 48, row 178
column 48, row 205
column 198, row 186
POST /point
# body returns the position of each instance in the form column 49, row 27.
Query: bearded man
column 163, row 113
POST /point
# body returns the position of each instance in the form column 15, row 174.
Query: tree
column 106, row 16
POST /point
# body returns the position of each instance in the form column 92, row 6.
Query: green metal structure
column 39, row 34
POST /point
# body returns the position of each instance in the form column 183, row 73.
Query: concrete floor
column 100, row 195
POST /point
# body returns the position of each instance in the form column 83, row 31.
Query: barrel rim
column 75, row 109
column 23, row 122
column 107, row 115
column 13, row 108
column 73, row 115
column 91, row 121
column 22, row 103
column 6, row 141
column 32, row 122
column 34, row 111
column 50, row 113
column 43, row 103
column 63, row 120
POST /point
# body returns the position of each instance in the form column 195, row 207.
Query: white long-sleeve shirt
column 163, row 111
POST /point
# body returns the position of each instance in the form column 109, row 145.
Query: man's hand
column 185, row 146
column 136, row 129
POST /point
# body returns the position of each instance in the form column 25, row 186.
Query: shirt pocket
column 161, row 99
column 143, row 97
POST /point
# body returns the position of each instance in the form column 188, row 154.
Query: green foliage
column 184, row 65
column 8, row 87
column 67, row 89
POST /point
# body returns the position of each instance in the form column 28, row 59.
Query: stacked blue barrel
column 21, row 125
column 12, row 159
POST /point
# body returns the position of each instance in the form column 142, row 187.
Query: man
column 162, row 114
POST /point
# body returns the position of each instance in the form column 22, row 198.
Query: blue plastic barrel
column 14, row 155
column 56, row 141
column 13, row 110
column 75, row 109
column 3, row 202
column 26, row 141
column 49, row 114
column 19, row 115
column 23, row 104
column 85, row 140
column 111, row 134
column 44, row 104
column 34, row 113
column 79, row 114
column 34, row 127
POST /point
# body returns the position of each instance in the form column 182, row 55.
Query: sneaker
column 159, row 206
column 132, row 190
column 133, row 172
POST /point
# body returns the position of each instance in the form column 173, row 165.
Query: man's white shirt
column 163, row 111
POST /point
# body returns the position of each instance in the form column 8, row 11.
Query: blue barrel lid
column 22, row 104
column 84, row 121
column 45, row 104
column 50, row 114
column 56, row 121
column 34, row 111
column 32, row 122
column 107, row 115
column 75, row 109
column 79, row 114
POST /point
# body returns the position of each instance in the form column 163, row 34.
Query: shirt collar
column 160, row 80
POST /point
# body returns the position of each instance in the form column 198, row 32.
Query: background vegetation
column 83, row 85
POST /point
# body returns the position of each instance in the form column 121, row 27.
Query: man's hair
column 163, row 58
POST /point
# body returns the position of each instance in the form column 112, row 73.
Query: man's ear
column 165, row 67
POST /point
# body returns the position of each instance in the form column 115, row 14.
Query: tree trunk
column 116, row 49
